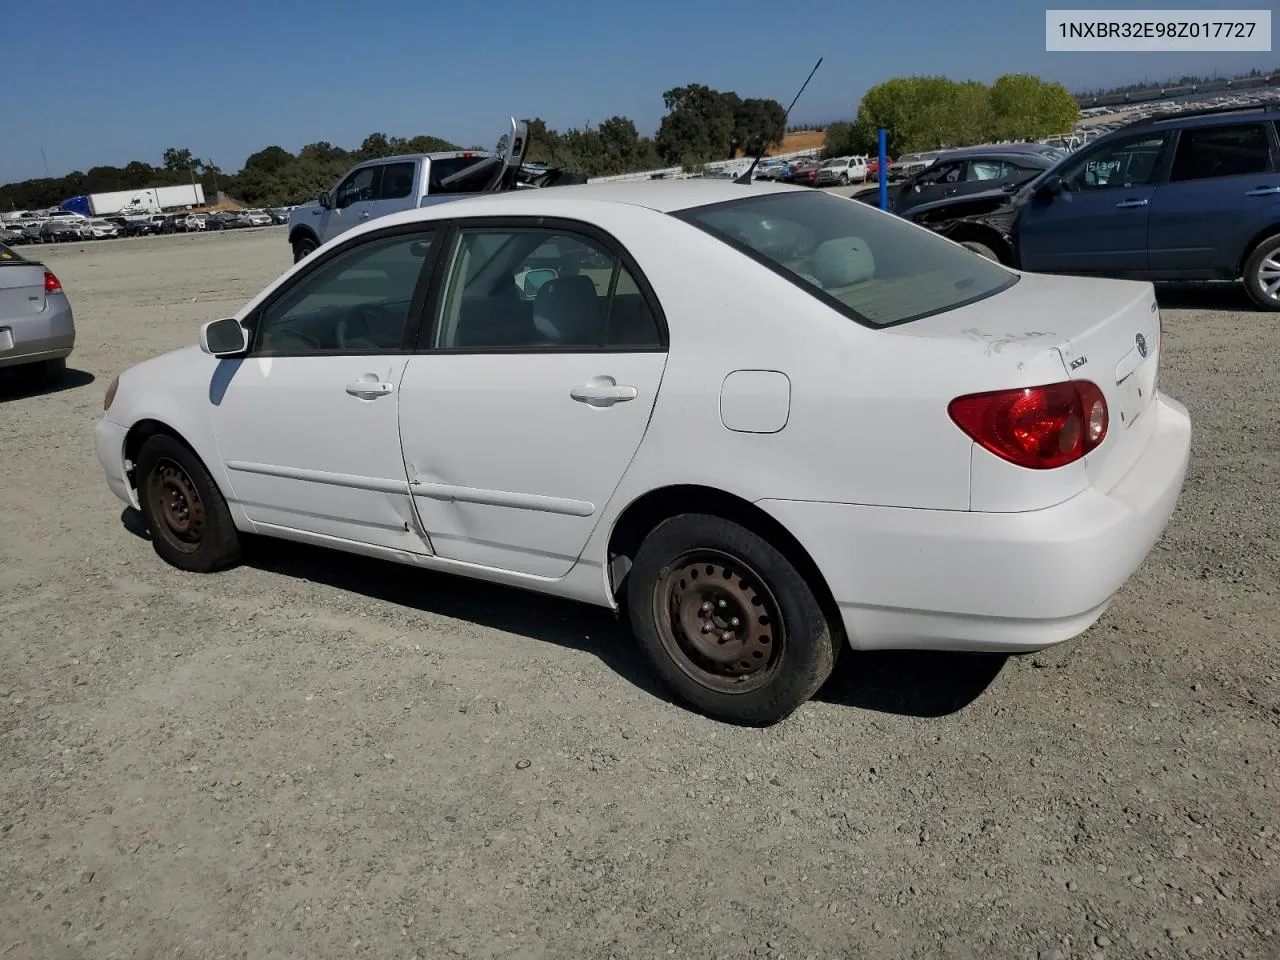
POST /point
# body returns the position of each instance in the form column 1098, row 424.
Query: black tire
column 1268, row 251
column 763, row 666
column 844, row 179
column 981, row 249
column 51, row 371
column 191, row 527
column 303, row 247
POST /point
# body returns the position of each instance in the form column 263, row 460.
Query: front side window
column 356, row 302
column 357, row 188
column 940, row 173
column 396, row 182
column 1130, row 162
column 540, row 289
column 872, row 267
column 1205, row 153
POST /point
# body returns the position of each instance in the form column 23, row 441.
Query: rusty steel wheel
column 719, row 621
column 175, row 500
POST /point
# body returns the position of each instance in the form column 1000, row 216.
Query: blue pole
column 883, row 169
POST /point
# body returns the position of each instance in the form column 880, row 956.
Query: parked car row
column 1189, row 196
column 61, row 226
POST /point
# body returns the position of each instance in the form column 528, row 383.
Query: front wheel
column 191, row 527
column 1262, row 274
column 303, row 247
column 728, row 622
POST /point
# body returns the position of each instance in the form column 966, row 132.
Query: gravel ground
column 318, row 755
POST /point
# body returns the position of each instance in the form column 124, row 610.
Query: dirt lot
column 318, row 755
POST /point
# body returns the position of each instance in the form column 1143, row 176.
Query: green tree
column 757, row 125
column 1025, row 107
column 698, row 126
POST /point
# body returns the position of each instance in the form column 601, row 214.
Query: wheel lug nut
column 722, row 604
column 706, row 608
column 735, row 622
column 706, row 628
column 726, row 636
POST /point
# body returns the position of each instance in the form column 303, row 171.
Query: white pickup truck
column 391, row 184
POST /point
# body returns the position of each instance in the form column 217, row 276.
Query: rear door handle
column 370, row 389
column 603, row 392
column 1263, row 192
column 1127, row 204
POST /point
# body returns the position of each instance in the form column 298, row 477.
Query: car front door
column 1223, row 189
column 1097, row 223
column 530, row 393
column 351, row 203
column 306, row 422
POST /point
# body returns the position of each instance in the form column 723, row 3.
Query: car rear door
column 530, row 393
column 1223, row 189
column 1098, row 223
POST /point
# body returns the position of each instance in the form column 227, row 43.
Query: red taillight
column 1035, row 427
column 51, row 283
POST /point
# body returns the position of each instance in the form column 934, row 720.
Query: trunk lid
column 21, row 288
column 1100, row 330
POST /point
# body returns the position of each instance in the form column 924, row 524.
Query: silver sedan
column 37, row 328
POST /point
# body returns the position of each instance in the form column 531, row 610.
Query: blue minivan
column 1185, row 196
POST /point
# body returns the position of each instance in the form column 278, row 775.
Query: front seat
column 567, row 311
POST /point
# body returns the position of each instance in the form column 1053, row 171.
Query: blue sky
column 227, row 77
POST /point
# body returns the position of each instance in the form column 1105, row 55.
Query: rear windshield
column 869, row 265
column 442, row 168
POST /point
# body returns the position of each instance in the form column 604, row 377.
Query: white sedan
column 767, row 422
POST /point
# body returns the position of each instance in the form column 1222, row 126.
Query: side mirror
column 536, row 278
column 224, row 338
column 324, row 200
column 1051, row 186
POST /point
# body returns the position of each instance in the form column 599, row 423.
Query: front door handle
column 1263, row 192
column 1127, row 204
column 603, row 392
column 370, row 389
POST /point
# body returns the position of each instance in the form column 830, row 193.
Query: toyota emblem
column 1141, row 341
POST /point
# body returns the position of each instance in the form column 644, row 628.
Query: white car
column 841, row 171
column 767, row 422
column 101, row 229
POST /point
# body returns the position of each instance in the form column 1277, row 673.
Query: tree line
column 699, row 125
column 928, row 113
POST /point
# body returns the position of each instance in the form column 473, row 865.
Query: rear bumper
column 47, row 335
column 1000, row 582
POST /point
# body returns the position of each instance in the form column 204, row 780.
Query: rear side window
column 871, row 266
column 9, row 256
column 442, row 168
column 1206, row 153
column 396, row 182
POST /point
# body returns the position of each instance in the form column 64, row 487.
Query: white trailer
column 123, row 201
column 186, row 195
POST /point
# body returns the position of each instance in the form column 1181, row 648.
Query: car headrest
column 843, row 261
column 567, row 310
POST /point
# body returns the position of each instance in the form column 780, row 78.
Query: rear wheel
column 191, row 527
column 728, row 622
column 51, row 371
column 303, row 247
column 1262, row 274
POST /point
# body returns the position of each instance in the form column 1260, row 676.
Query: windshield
column 869, row 265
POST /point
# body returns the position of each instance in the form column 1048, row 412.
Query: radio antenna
column 746, row 177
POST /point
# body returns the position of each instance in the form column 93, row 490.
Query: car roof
column 663, row 196
column 437, row 155
column 1001, row 149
